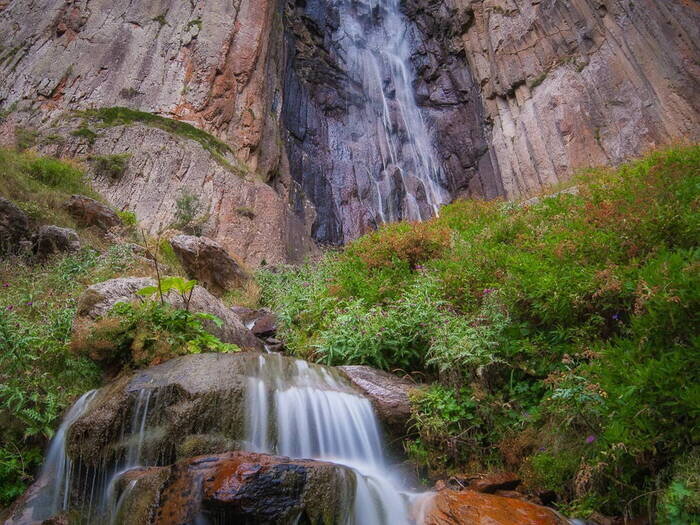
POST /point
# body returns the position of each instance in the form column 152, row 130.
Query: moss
column 192, row 23
column 161, row 19
column 538, row 79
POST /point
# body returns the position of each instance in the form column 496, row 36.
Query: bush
column 110, row 166
column 149, row 333
column 188, row 213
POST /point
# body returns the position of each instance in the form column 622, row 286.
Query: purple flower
column 10, row 307
column 6, row 285
column 616, row 317
column 30, row 303
column 488, row 291
column 305, row 284
column 590, row 439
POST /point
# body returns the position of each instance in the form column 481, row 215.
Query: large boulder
column 50, row 240
column 450, row 507
column 14, row 227
column 89, row 212
column 99, row 299
column 208, row 262
column 243, row 487
column 388, row 393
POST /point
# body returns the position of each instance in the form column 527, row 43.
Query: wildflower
column 488, row 291
column 29, row 303
column 616, row 317
column 305, row 284
column 6, row 285
column 10, row 308
column 590, row 439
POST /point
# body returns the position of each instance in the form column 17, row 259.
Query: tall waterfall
column 373, row 36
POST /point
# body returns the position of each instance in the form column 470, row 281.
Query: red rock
column 449, row 507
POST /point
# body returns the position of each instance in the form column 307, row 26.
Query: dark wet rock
column 50, row 240
column 139, row 491
column 243, row 487
column 99, row 298
column 245, row 314
column 388, row 393
column 14, row 227
column 89, row 212
column 207, row 261
column 450, row 507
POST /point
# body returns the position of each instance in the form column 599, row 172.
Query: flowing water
column 292, row 408
column 373, row 36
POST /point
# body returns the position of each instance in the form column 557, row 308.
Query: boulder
column 244, row 487
column 99, row 299
column 388, row 393
column 89, row 212
column 265, row 325
column 450, row 507
column 51, row 240
column 208, row 262
column 14, row 227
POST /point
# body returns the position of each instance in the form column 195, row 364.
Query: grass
column 41, row 185
column 561, row 335
column 121, row 116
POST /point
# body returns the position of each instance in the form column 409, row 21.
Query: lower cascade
column 290, row 408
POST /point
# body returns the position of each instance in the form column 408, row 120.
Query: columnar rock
column 566, row 85
column 99, row 298
column 50, row 240
column 90, row 212
column 208, row 262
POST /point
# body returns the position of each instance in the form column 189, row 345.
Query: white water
column 373, row 36
column 310, row 412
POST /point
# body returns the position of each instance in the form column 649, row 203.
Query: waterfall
column 292, row 408
column 373, row 36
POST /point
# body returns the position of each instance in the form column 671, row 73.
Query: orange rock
column 449, row 507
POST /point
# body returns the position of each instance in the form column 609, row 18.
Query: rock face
column 389, row 395
column 449, row 507
column 566, row 85
column 50, row 240
column 90, row 212
column 206, row 261
column 99, row 298
column 511, row 98
column 14, row 227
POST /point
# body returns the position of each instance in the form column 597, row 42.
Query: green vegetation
column 188, row 213
column 197, row 22
column 25, row 138
column 86, row 133
column 39, row 375
column 111, row 166
column 563, row 335
column 40, row 185
column 120, row 116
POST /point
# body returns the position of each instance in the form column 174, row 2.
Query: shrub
column 25, row 138
column 85, row 133
column 111, row 166
column 128, row 218
column 188, row 213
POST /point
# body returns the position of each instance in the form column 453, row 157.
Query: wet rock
column 207, row 261
column 51, row 240
column 14, row 227
column 490, row 483
column 388, row 393
column 265, row 325
column 99, row 298
column 449, row 507
column 243, row 487
column 138, row 491
column 90, row 212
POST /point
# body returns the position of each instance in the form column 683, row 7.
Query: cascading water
column 373, row 37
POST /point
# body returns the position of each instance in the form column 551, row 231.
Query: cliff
column 510, row 98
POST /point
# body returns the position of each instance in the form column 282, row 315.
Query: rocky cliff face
column 512, row 97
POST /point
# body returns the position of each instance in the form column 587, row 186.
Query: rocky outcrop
column 449, row 507
column 14, row 227
column 89, row 212
column 388, row 393
column 234, row 487
column 206, row 261
column 98, row 300
column 50, row 240
column 567, row 85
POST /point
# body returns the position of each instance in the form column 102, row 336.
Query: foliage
column 150, row 333
column 85, row 133
column 680, row 500
column 25, row 138
column 128, row 218
column 111, row 166
column 39, row 375
column 571, row 322
column 188, row 213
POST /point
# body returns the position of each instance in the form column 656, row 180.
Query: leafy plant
column 188, row 212
column 111, row 166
